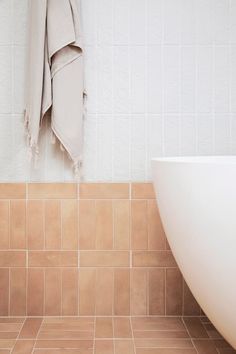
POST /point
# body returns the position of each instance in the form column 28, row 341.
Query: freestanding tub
column 197, row 202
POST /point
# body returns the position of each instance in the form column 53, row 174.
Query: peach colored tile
column 23, row 347
column 35, row 224
column 17, row 291
column 87, row 291
column 122, row 327
column 104, row 258
column 139, row 225
column 7, row 343
column 104, row 347
column 205, row 347
column 69, row 291
column 104, row 291
column 12, row 190
column 4, row 224
column 139, row 292
column 12, row 320
column 52, row 292
column 161, row 334
column 30, row 328
column 104, row 191
column 156, row 291
column 17, row 224
column 124, row 347
column 4, row 291
column 52, row 224
column 8, row 335
column 157, row 324
column 35, row 292
column 142, row 191
column 63, row 351
column 63, row 344
column 104, row 225
column 12, row 258
column 153, row 259
column 191, row 306
column 68, row 324
column 122, row 292
column 53, row 259
column 60, row 334
column 69, row 224
column 87, row 224
column 165, row 351
column 174, row 292
column 104, row 327
column 121, row 210
column 52, row 190
column 163, row 343
column 195, row 327
column 156, row 234
column 9, row 327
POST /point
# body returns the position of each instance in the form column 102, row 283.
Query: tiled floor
column 110, row 335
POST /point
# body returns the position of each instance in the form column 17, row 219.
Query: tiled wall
column 89, row 249
column 161, row 80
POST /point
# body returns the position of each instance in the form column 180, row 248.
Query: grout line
column 36, row 338
column 185, row 326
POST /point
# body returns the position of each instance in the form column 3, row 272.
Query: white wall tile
column 221, row 21
column 172, row 21
column 188, row 79
column 205, row 134
column 222, row 79
column 121, row 15
column 188, row 21
column 138, row 78
column 172, row 82
column 20, row 21
column 154, row 79
column 160, row 77
column 19, row 59
column 204, row 79
column 6, row 21
column 172, row 135
column 121, row 80
column 155, row 22
column 138, row 22
column 205, row 22
column 5, row 79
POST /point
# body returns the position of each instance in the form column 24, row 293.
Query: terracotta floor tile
column 157, row 323
column 161, row 334
column 195, row 327
column 226, row 351
column 55, row 334
column 30, row 328
column 23, row 347
column 165, row 351
column 62, row 351
column 10, row 327
column 205, row 346
column 124, row 347
column 163, row 343
column 5, row 351
column 64, row 344
column 7, row 343
column 122, row 327
column 8, row 335
column 104, row 327
column 104, row 347
column 12, row 319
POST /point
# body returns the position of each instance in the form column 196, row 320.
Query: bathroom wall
column 88, row 249
column 161, row 80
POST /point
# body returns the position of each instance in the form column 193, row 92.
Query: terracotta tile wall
column 89, row 249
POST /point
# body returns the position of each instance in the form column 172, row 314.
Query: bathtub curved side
column 197, row 203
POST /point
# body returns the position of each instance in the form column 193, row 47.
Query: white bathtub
column 197, row 202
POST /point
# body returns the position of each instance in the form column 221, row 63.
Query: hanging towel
column 55, row 80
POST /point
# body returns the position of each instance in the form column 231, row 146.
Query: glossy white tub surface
column 197, row 201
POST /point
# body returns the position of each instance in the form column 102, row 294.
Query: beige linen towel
column 55, row 74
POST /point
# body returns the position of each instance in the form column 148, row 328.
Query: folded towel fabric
column 55, row 80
